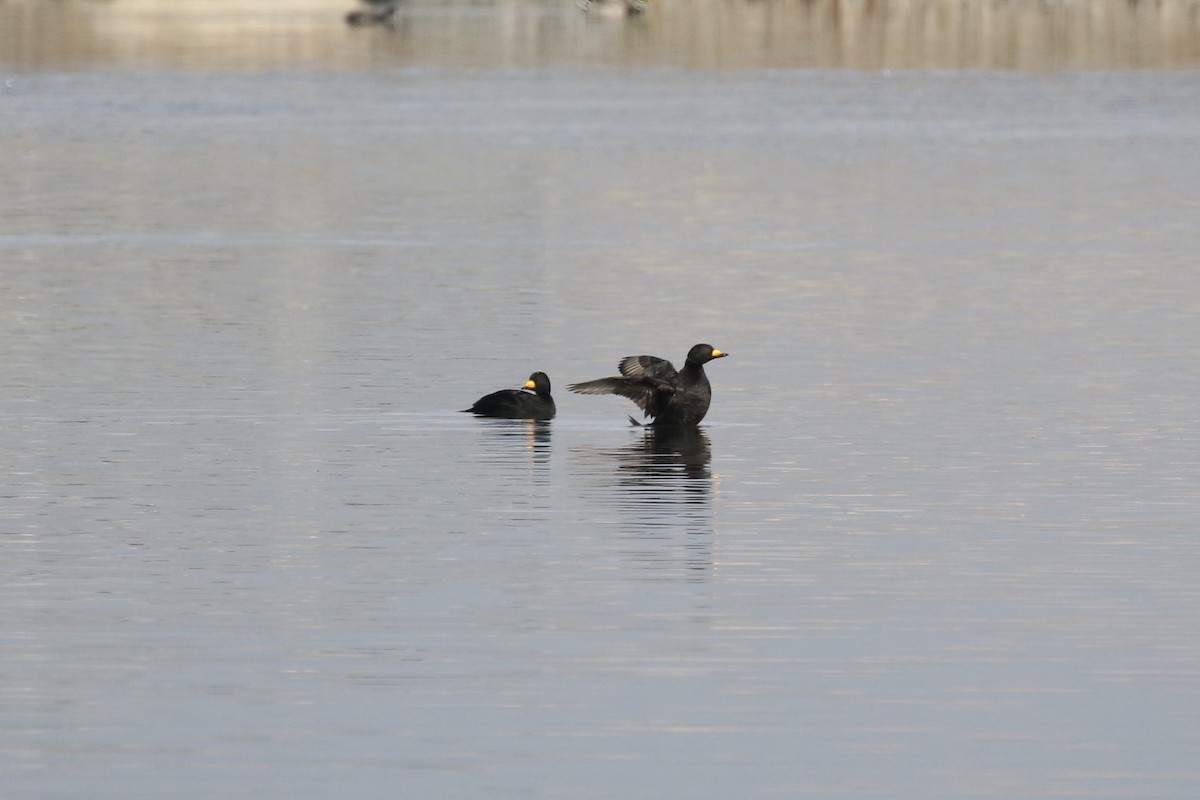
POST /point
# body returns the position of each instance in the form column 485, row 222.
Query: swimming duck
column 613, row 8
column 667, row 396
column 518, row 403
column 378, row 13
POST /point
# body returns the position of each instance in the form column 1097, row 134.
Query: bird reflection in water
column 666, row 454
column 663, row 487
column 517, row 442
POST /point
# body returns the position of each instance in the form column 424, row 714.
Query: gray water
column 937, row 537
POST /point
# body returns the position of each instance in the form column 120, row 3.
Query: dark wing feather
column 646, row 380
column 514, row 404
column 633, row 388
column 651, row 366
column 503, row 401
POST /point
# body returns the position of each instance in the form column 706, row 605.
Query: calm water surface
column 937, row 537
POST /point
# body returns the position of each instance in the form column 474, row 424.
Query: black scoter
column 518, row 403
column 667, row 396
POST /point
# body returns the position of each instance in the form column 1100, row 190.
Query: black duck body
column 518, row 403
column 666, row 396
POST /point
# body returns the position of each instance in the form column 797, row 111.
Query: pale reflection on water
column 943, row 34
column 659, row 488
column 526, row 441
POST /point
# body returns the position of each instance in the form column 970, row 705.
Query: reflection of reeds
column 947, row 34
column 858, row 34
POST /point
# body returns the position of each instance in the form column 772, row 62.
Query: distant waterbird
column 377, row 12
column 613, row 8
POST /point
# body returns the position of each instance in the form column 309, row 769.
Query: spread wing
column 633, row 388
column 646, row 380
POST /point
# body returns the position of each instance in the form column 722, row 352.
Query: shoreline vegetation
column 1032, row 35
